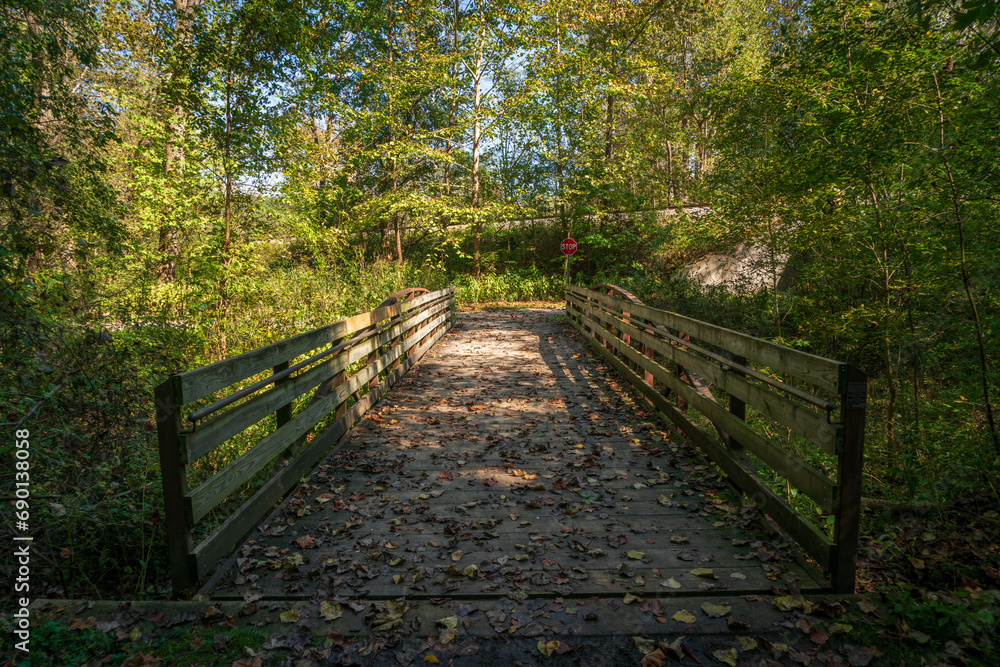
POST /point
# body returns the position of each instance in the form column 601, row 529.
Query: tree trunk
column 175, row 126
column 476, row 140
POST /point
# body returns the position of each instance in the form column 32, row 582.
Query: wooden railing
column 347, row 365
column 830, row 414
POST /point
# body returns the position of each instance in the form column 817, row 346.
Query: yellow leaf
column 450, row 624
column 726, row 657
column 670, row 583
column 457, row 556
column 704, row 572
column 629, row 598
column 331, row 612
column 431, row 659
column 684, row 616
column 715, row 610
column 548, row 648
column 634, row 555
column 786, row 603
column 290, row 616
column 396, row 578
column 747, row 643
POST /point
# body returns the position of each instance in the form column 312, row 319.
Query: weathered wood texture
column 690, row 359
column 504, row 452
column 361, row 358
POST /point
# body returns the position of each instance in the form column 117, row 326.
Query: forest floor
column 538, row 515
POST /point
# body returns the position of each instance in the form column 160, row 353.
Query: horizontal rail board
column 811, row 482
column 803, row 421
column 818, row 545
column 201, row 382
column 219, row 544
column 212, row 491
column 824, row 373
column 206, row 436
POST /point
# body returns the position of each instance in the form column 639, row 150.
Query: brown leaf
column 654, row 659
column 305, row 542
column 819, row 637
column 674, row 648
column 247, row 662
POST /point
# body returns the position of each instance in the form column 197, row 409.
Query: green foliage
column 529, row 285
column 54, row 644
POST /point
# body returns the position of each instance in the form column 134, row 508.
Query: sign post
column 568, row 247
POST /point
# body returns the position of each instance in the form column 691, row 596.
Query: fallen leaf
column 840, row 628
column 290, row 616
column 705, row 572
column 820, row 637
column 684, row 616
column 675, row 648
column 548, row 648
column 330, row 612
column 716, row 610
column 726, row 657
column 432, row 660
column 629, row 598
column 670, row 583
column 867, row 606
column 786, row 603
column 857, row 656
column 634, row 555
column 747, row 643
column 653, row 659
column 305, row 542
column 450, row 625
column 737, row 575
column 457, row 556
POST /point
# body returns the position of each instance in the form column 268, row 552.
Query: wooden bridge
column 504, row 465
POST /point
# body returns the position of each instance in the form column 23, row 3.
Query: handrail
column 631, row 335
column 389, row 339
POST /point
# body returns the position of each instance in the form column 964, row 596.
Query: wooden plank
column 818, row 371
column 803, row 421
column 594, row 581
column 810, row 481
column 818, row 545
column 206, row 436
column 213, row 490
column 216, row 546
column 206, row 380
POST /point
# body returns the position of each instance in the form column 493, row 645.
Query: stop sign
column 568, row 247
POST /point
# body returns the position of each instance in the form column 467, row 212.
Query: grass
column 55, row 644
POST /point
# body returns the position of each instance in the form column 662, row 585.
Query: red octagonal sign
column 568, row 247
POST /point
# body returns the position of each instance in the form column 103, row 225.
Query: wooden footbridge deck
column 503, row 465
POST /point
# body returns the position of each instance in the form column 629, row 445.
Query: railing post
column 283, row 415
column 736, row 406
column 853, row 401
column 174, row 478
column 682, row 404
